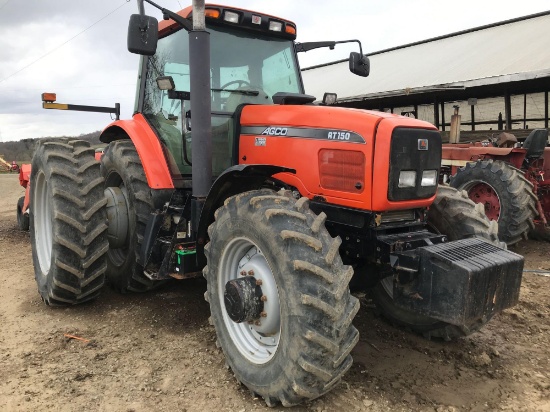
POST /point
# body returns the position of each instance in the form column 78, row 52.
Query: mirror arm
column 304, row 47
column 186, row 24
column 351, row 41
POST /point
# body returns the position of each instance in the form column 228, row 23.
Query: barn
column 497, row 76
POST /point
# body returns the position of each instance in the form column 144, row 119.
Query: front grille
column 342, row 170
column 408, row 154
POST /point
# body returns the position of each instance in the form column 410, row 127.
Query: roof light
column 212, row 13
column 49, row 97
column 275, row 26
column 231, row 17
column 256, row 19
column 290, row 29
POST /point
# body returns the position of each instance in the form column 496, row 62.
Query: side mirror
column 142, row 35
column 359, row 65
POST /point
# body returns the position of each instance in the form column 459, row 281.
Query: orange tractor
column 228, row 170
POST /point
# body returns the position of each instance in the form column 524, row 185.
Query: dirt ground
column 156, row 351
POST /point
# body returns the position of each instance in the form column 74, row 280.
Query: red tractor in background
column 512, row 183
column 9, row 167
column 276, row 201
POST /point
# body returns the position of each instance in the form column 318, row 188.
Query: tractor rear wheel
column 130, row 204
column 68, row 221
column 279, row 297
column 22, row 218
column 505, row 193
column 456, row 216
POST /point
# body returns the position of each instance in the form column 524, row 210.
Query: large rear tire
column 300, row 346
column 68, row 221
column 456, row 216
column 505, row 193
column 123, row 172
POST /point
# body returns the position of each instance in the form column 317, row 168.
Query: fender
column 147, row 145
column 236, row 179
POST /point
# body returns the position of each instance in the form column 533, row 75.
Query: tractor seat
column 535, row 143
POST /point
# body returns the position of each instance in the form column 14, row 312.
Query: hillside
column 22, row 150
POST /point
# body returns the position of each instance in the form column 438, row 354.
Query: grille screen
column 342, row 170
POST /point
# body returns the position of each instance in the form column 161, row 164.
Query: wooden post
column 443, row 116
column 508, row 111
column 436, row 113
column 525, row 110
column 546, row 110
column 454, row 134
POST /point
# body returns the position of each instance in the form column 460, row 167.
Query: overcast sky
column 95, row 68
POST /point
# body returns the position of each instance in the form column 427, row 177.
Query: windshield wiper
column 245, row 92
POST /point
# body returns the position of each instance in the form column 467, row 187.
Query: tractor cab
column 248, row 66
column 252, row 59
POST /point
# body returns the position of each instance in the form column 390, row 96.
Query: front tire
column 68, row 222
column 301, row 347
column 455, row 215
column 505, row 193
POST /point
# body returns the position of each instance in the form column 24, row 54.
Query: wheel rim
column 42, row 223
column 258, row 341
column 484, row 193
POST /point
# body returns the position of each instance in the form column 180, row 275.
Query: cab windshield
column 246, row 67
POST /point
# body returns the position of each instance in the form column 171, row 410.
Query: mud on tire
column 512, row 191
column 456, row 216
column 68, row 222
column 315, row 335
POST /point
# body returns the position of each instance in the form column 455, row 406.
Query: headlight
column 407, row 178
column 429, row 178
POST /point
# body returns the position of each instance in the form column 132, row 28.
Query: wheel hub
column 243, row 299
column 486, row 195
column 250, row 303
column 117, row 214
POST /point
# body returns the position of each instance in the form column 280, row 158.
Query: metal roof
column 508, row 51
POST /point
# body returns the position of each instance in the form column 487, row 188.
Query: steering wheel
column 240, row 83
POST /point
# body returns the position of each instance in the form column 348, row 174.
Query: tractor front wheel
column 68, row 222
column 456, row 216
column 504, row 192
column 279, row 297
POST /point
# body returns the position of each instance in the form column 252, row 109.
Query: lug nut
column 263, row 298
column 257, row 323
column 250, row 272
column 263, row 314
column 250, row 322
column 259, row 282
column 243, row 273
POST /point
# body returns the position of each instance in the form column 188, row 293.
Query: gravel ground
column 156, row 351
